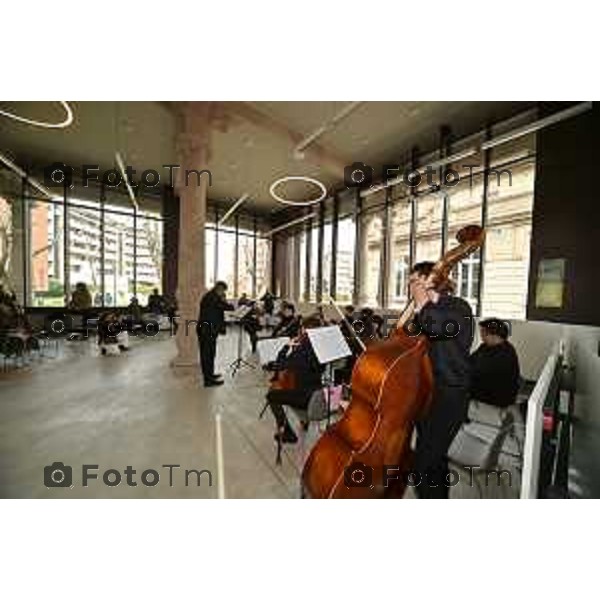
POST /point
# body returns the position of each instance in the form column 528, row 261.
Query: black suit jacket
column 212, row 312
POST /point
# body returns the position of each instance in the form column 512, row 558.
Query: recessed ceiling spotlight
column 62, row 125
column 298, row 178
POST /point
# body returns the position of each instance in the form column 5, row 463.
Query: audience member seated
column 289, row 325
column 14, row 324
column 112, row 335
column 134, row 316
column 81, row 299
column 156, row 303
column 268, row 301
column 495, row 366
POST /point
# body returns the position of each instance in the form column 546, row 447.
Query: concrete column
column 193, row 146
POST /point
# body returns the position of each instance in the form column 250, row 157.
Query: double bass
column 392, row 384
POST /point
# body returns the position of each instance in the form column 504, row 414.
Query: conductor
column 211, row 323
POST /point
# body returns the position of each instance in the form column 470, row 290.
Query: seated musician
column 289, row 326
column 300, row 367
column 495, row 366
column 251, row 323
column 366, row 327
column 448, row 323
column 320, row 312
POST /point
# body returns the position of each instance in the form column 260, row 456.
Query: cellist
column 447, row 321
column 297, row 376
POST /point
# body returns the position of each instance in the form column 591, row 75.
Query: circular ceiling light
column 68, row 120
column 301, row 202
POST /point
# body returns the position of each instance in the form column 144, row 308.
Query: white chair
column 480, row 444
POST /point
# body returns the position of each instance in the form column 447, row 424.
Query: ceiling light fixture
column 130, row 191
column 327, row 126
column 237, row 204
column 44, row 124
column 32, row 182
column 290, row 224
column 298, row 178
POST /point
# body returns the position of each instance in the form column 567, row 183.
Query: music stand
column 329, row 345
column 237, row 317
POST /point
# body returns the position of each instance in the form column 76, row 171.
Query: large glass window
column 507, row 244
column 400, row 226
column 6, row 243
column 314, row 262
column 263, row 265
column 344, row 264
column 327, row 261
column 246, row 269
column 465, row 202
column 46, row 277
column 302, row 283
column 226, row 258
column 119, row 257
column 210, row 243
column 430, row 210
column 372, row 264
column 148, row 265
column 85, row 254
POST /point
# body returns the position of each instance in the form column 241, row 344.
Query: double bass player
column 447, row 321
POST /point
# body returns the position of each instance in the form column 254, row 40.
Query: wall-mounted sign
column 550, row 286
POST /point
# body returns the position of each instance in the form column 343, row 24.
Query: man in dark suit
column 211, row 322
column 448, row 323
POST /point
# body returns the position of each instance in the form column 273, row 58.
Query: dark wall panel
column 566, row 216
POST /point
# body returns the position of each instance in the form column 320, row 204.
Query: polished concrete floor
column 79, row 408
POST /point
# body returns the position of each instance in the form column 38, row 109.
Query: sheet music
column 328, row 343
column 238, row 314
column 269, row 349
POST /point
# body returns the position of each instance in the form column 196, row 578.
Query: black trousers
column 277, row 399
column 435, row 434
column 251, row 331
column 207, row 342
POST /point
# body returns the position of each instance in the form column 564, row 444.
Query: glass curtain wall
column 115, row 249
column 494, row 189
column 238, row 255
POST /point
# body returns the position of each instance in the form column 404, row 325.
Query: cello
column 392, row 384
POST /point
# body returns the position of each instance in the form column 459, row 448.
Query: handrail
column 534, row 427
